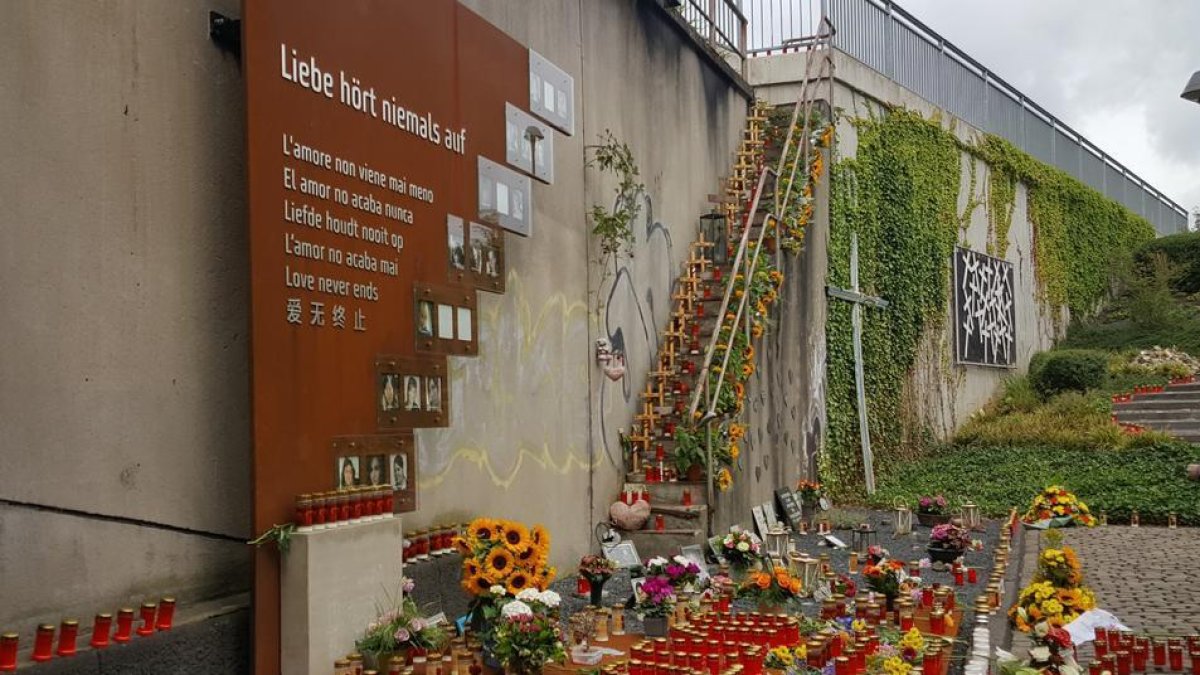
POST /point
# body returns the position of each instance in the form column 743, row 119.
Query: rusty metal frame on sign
column 445, row 320
column 395, row 412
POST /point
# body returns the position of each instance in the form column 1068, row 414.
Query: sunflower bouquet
column 1057, row 507
column 1041, row 601
column 770, row 588
column 502, row 557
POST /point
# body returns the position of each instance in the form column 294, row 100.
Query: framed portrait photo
column 452, row 330
column 346, row 473
column 413, row 392
column 378, row 457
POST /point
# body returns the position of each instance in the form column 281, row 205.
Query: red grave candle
column 43, row 644
column 100, row 629
column 1195, row 661
column 1175, row 657
column 1139, row 657
column 972, row 576
column 166, row 614
column 1095, row 668
column 937, row 622
column 66, row 637
column 583, row 586
column 687, row 497
column 660, row 523
column 1125, row 662
column 958, row 577
column 147, row 613
column 8, row 652
column 124, row 626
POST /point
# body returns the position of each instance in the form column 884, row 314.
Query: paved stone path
column 1146, row 576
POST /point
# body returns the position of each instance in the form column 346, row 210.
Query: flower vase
column 597, row 591
column 943, row 555
column 655, row 626
column 932, row 519
column 890, row 603
column 766, row 607
column 379, row 661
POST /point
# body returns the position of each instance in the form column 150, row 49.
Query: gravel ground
column 906, row 548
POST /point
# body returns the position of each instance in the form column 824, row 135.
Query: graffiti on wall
column 985, row 320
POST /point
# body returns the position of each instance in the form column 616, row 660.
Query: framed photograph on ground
column 421, row 398
column 624, row 554
column 695, row 554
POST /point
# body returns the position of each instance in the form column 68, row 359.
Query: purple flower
column 926, row 501
column 402, row 635
column 941, row 501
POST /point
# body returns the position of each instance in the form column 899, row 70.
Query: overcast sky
column 1111, row 70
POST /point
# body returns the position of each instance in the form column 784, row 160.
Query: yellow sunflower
column 462, row 546
column 499, row 564
column 518, row 581
column 724, row 479
column 471, row 568
column 481, row 528
column 476, row 585
column 734, row 451
column 526, row 556
column 515, row 536
column 498, row 528
column 540, row 536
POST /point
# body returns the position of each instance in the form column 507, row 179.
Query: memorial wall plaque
column 366, row 121
column 505, row 197
column 388, row 459
column 985, row 316
column 412, row 391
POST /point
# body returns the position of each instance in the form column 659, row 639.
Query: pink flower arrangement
column 935, row 505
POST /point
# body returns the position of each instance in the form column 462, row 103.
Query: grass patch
column 1019, row 417
column 1150, row 479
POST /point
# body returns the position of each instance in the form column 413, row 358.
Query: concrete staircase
column 1174, row 411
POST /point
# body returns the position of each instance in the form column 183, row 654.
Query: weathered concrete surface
column 123, row 380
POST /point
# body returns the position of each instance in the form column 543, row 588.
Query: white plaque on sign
column 551, row 93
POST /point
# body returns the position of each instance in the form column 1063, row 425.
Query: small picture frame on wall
column 453, row 310
column 456, row 242
column 424, row 321
column 346, row 472
column 421, row 392
column 375, row 471
column 379, row 456
column 482, row 259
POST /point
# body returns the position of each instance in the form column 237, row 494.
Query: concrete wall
column 948, row 393
column 123, row 378
column 124, row 398
column 541, row 440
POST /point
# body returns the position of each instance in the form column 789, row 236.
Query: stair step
column 1161, row 402
column 666, row 544
column 1152, row 414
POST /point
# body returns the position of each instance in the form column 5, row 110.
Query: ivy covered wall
column 912, row 187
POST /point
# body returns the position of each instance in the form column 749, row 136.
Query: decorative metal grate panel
column 985, row 316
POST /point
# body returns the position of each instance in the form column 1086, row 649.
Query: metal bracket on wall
column 226, row 32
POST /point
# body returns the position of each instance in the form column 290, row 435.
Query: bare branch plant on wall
column 614, row 228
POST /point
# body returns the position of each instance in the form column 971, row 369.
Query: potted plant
column 688, row 456
column 597, row 570
column 773, row 591
column 887, row 578
column 656, row 601
column 527, row 635
column 743, row 551
column 680, row 572
column 948, row 542
column 1057, row 507
column 932, row 510
column 810, row 493
column 399, row 629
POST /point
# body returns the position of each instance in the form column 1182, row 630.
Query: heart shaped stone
column 628, row 517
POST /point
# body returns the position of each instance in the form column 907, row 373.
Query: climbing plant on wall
column 1078, row 231
column 900, row 195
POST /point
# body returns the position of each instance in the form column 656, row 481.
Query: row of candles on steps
column 155, row 617
column 326, row 510
column 1122, row 653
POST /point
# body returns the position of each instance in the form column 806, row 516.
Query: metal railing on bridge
column 895, row 43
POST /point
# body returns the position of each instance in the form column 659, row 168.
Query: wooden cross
column 685, row 300
column 857, row 301
column 638, row 438
column 670, row 357
column 649, row 417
